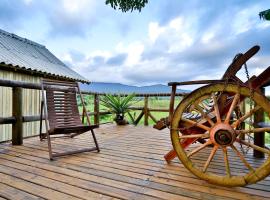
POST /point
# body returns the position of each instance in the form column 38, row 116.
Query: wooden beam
column 139, row 118
column 96, row 109
column 11, row 83
column 7, row 120
column 32, row 118
column 139, row 94
column 152, row 117
column 145, row 110
column 27, row 85
column 171, row 109
column 158, row 110
column 259, row 138
column 17, row 127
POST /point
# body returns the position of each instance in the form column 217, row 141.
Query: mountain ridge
column 119, row 88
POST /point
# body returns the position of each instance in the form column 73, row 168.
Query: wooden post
column 243, row 124
column 146, row 116
column 17, row 127
column 171, row 109
column 259, row 138
column 96, row 109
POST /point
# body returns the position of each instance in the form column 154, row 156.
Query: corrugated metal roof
column 26, row 54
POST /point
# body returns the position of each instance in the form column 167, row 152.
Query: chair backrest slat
column 61, row 99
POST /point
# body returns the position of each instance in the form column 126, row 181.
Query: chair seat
column 71, row 129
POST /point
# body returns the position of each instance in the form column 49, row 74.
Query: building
column 24, row 60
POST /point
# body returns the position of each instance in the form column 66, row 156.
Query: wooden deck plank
column 133, row 187
column 129, row 166
column 81, row 162
column 32, row 188
column 8, row 192
column 136, row 180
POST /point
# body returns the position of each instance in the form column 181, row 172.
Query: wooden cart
column 210, row 119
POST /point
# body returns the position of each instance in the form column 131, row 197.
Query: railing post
column 259, row 138
column 171, row 109
column 146, row 116
column 17, row 127
column 96, row 109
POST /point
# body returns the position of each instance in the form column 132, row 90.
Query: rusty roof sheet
column 28, row 55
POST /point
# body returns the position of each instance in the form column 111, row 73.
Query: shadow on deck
column 129, row 166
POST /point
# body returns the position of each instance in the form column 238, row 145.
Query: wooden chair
column 59, row 101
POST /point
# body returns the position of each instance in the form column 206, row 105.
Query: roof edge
column 40, row 73
column 21, row 38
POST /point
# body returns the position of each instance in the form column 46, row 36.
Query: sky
column 169, row 40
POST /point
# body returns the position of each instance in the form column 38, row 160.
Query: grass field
column 153, row 102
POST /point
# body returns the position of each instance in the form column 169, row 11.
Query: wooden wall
column 31, row 104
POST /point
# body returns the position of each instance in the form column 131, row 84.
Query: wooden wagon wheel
column 221, row 133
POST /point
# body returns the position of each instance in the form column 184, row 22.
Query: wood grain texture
column 130, row 166
column 30, row 102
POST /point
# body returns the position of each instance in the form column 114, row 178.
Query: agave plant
column 118, row 105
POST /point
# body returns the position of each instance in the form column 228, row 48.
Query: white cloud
column 154, row 31
column 66, row 57
column 176, row 23
column 105, row 54
column 28, row 2
column 77, row 7
column 177, row 33
column 245, row 19
column 134, row 51
column 181, row 49
column 207, row 37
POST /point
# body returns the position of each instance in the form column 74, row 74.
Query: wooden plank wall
column 31, row 104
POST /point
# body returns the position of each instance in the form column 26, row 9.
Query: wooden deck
column 129, row 166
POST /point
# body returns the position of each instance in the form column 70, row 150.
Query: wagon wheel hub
column 223, row 137
column 222, row 134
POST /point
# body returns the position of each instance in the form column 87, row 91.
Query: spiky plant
column 119, row 105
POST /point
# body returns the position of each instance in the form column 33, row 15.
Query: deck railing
column 17, row 119
column 145, row 111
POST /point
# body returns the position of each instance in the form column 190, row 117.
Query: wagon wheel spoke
column 205, row 115
column 216, row 109
column 254, row 130
column 226, row 161
column 199, row 148
column 232, row 107
column 210, row 158
column 205, row 135
column 247, row 115
column 242, row 158
column 261, row 149
column 196, row 124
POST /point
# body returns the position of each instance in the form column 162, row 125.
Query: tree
column 127, row 5
column 265, row 14
column 130, row 5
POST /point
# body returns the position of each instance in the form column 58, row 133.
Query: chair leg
column 40, row 123
column 49, row 146
column 95, row 140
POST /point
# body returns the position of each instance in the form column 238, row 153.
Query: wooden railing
column 145, row 110
column 17, row 119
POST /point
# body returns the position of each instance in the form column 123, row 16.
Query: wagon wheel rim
column 254, row 174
